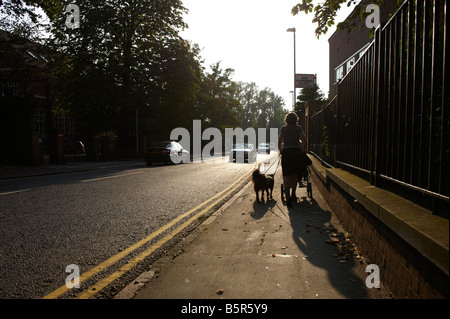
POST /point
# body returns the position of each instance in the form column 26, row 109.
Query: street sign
column 305, row 81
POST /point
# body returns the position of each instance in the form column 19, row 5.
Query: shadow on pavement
column 312, row 229
column 260, row 209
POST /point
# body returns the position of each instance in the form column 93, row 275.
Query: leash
column 276, row 169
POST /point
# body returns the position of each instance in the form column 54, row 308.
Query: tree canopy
column 309, row 95
column 325, row 13
column 127, row 57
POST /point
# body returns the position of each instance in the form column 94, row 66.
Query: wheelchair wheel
column 309, row 190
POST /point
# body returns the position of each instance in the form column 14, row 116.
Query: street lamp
column 137, row 134
column 293, row 97
column 293, row 30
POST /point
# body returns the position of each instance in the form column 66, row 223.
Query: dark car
column 74, row 147
column 243, row 152
column 166, row 152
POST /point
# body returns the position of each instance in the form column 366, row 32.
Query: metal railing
column 390, row 118
column 322, row 133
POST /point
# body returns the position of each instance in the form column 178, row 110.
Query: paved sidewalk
column 251, row 250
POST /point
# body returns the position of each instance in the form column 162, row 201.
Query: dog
column 262, row 183
column 270, row 183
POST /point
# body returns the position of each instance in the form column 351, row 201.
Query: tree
column 270, row 109
column 126, row 56
column 21, row 18
column 260, row 108
column 247, row 95
column 176, row 88
column 308, row 95
column 325, row 13
column 216, row 105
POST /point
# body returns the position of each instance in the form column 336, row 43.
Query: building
column 346, row 48
column 24, row 101
column 30, row 127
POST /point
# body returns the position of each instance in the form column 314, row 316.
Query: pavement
column 251, row 250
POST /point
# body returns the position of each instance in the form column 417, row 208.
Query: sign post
column 305, row 81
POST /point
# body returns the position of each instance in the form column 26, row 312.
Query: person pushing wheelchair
column 292, row 147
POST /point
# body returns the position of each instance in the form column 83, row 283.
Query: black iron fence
column 390, row 118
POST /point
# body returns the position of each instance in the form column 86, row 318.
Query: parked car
column 243, row 152
column 166, row 152
column 74, row 147
column 264, row 148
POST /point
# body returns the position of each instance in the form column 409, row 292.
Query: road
column 100, row 220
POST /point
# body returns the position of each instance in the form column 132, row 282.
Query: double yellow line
column 213, row 201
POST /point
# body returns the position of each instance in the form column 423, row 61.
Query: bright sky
column 250, row 37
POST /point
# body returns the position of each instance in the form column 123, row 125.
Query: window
column 10, row 88
column 40, row 122
column 350, row 63
column 338, row 73
column 60, row 121
column 345, row 67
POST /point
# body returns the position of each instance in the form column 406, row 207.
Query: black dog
column 262, row 183
column 270, row 183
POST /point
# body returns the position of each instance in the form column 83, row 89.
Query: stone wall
column 406, row 271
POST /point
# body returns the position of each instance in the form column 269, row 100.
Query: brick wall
column 405, row 272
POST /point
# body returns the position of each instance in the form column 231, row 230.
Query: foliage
column 309, row 95
column 216, row 106
column 260, row 108
column 21, row 17
column 325, row 13
column 125, row 57
column 247, row 94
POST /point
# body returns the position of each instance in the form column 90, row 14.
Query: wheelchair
column 303, row 182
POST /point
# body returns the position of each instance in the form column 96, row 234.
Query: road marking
column 15, row 192
column 107, row 177
column 111, row 261
column 130, row 264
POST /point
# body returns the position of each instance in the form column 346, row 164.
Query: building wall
column 343, row 45
column 24, row 101
column 404, row 271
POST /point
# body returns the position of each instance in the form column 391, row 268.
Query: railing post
column 336, row 139
column 378, row 94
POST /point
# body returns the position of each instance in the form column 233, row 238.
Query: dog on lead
column 262, row 183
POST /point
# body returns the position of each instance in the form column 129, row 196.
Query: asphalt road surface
column 97, row 221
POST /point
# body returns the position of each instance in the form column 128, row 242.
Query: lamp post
column 293, row 97
column 137, row 134
column 295, row 69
